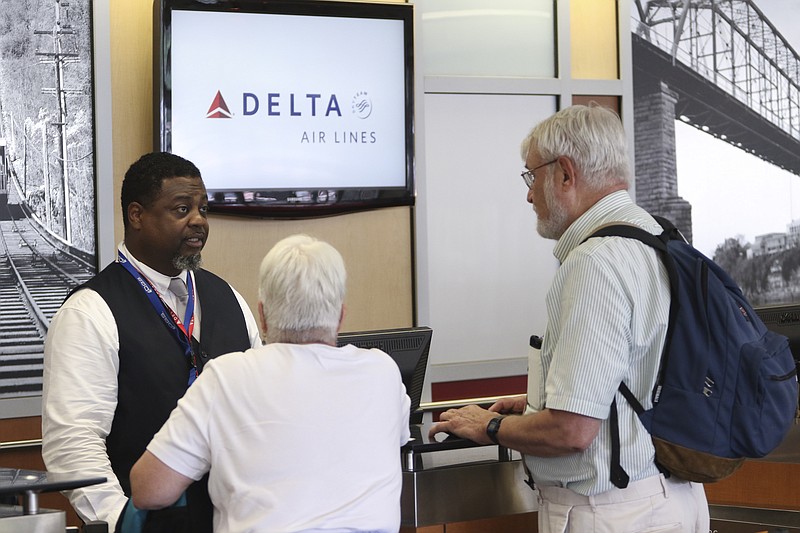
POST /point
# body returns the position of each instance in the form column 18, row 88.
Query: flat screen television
column 409, row 347
column 289, row 108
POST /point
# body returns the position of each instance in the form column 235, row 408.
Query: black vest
column 153, row 369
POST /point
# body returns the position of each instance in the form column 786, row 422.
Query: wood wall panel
column 423, row 529
column 376, row 247
column 478, row 388
column 759, row 484
column 611, row 102
column 16, row 429
column 30, row 458
column 521, row 523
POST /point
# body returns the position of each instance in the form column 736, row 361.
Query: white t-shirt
column 296, row 437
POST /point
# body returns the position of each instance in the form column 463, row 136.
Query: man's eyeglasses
column 528, row 175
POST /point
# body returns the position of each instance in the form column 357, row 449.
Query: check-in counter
column 470, row 488
column 448, row 481
column 452, row 481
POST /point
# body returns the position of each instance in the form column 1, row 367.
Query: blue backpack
column 726, row 387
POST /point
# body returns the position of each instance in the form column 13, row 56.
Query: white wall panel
column 483, row 270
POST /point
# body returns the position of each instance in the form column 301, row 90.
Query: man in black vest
column 126, row 345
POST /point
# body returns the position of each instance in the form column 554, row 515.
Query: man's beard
column 556, row 224
column 187, row 262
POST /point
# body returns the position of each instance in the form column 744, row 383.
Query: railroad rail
column 36, row 275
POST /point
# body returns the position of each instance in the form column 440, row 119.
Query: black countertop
column 16, row 481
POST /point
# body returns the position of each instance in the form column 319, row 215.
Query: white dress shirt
column 79, row 392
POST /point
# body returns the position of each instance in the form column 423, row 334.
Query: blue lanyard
column 168, row 316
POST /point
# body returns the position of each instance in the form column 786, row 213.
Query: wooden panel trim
column 478, row 388
column 21, row 429
column 769, row 485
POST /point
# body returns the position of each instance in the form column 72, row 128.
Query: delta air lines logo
column 218, row 109
column 303, row 105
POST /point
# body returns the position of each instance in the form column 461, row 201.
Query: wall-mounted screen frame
column 288, row 108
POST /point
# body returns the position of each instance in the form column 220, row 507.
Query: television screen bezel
column 297, row 202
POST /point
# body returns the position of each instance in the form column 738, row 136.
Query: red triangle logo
column 218, row 109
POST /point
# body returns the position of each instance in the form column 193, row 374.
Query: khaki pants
column 651, row 505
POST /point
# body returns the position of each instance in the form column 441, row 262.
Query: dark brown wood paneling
column 423, row 529
column 611, row 102
column 30, row 458
column 520, row 523
column 759, row 484
column 478, row 388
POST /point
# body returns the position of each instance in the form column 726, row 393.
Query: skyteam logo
column 362, row 105
column 218, row 109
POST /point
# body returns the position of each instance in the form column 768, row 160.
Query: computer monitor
column 408, row 347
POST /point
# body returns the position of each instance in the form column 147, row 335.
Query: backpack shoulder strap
column 633, row 232
column 618, row 475
column 659, row 242
column 671, row 232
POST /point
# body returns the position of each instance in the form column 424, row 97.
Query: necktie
column 178, row 287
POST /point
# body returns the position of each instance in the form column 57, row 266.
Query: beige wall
column 593, row 38
column 376, row 245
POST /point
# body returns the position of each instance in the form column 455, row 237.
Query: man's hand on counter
column 467, row 422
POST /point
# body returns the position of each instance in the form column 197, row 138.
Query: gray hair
column 591, row 136
column 302, row 287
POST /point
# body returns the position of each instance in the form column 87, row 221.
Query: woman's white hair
column 302, row 288
column 591, row 136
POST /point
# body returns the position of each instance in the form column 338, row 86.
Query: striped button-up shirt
column 607, row 311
